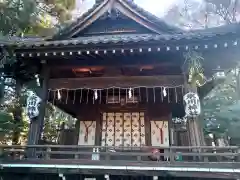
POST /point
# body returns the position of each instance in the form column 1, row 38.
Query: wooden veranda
column 200, row 162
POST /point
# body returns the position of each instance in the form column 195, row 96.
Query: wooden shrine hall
column 121, row 72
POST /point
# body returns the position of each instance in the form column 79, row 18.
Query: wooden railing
column 116, row 154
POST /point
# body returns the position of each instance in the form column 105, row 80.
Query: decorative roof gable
column 123, row 8
column 113, row 23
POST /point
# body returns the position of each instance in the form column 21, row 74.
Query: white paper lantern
column 33, row 103
column 192, row 104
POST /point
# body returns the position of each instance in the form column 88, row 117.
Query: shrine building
column 122, row 73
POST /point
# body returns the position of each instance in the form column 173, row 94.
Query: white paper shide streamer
column 192, row 104
column 33, row 103
column 95, row 94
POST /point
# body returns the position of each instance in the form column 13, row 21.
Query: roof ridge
column 130, row 3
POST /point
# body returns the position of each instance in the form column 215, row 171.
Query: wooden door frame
column 129, row 108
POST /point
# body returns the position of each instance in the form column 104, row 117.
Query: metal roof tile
column 125, row 38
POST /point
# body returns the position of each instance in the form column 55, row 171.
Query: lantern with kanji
column 33, row 103
column 192, row 104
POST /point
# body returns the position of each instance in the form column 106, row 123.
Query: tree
column 61, row 8
column 218, row 107
column 227, row 10
column 190, row 14
column 15, row 130
column 18, row 18
column 187, row 14
column 221, row 107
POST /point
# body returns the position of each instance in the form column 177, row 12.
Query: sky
column 157, row 7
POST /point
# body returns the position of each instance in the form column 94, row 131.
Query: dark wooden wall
column 94, row 112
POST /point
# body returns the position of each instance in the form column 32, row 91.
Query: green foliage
column 21, row 17
column 7, row 57
column 221, row 108
column 61, row 9
column 8, row 126
column 16, row 16
column 54, row 118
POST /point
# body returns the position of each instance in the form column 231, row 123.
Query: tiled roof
column 227, row 30
column 133, row 5
column 120, row 38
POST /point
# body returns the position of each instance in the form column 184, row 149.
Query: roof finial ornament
column 98, row 1
column 111, row 7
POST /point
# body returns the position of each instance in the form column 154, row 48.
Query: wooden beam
column 138, row 65
column 117, row 61
column 120, row 81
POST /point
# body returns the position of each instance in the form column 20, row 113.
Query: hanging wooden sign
column 159, row 133
column 87, row 133
column 192, row 104
column 87, row 126
column 33, row 103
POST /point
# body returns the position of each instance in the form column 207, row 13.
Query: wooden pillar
column 195, row 131
column 36, row 126
column 171, row 131
column 194, row 127
column 61, row 139
column 147, row 122
column 98, row 131
column 77, row 130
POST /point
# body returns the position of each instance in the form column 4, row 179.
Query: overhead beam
column 139, row 65
column 120, row 81
column 117, row 61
